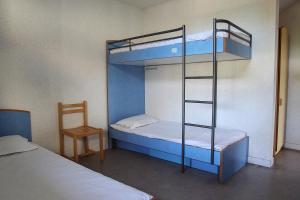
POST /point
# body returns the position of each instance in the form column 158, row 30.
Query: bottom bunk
column 230, row 155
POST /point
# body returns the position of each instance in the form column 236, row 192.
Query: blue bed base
column 226, row 163
column 170, row 54
column 15, row 122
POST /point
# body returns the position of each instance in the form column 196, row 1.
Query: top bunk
column 170, row 46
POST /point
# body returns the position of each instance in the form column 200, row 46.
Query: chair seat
column 81, row 131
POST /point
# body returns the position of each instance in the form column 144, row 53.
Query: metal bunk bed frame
column 244, row 36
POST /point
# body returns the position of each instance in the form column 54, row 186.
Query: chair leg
column 86, row 145
column 62, row 144
column 101, row 145
column 75, row 149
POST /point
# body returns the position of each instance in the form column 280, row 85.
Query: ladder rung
column 198, row 125
column 196, row 101
column 199, row 77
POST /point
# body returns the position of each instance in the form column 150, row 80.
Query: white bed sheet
column 190, row 37
column 43, row 175
column 199, row 137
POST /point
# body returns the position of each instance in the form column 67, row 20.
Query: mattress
column 41, row 174
column 198, row 137
column 205, row 35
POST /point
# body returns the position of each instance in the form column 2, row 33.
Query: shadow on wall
column 226, row 70
column 297, row 76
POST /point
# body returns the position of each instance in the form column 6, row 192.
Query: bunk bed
column 126, row 61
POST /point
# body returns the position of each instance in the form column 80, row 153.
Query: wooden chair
column 78, row 132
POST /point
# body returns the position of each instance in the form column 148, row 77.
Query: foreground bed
column 34, row 173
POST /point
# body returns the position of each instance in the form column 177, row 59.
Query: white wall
column 54, row 50
column 290, row 18
column 246, row 88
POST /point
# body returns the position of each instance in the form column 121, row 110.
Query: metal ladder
column 213, row 102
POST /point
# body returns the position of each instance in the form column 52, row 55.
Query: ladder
column 213, row 102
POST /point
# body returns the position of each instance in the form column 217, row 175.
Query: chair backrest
column 65, row 109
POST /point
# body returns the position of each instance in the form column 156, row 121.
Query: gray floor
column 163, row 179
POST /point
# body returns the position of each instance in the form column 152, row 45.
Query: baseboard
column 292, row 146
column 260, row 161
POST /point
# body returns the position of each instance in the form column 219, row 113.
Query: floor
column 164, row 180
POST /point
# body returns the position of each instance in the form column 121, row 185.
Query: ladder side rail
column 183, row 97
column 214, row 92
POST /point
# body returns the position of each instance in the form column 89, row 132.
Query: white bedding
column 191, row 37
column 137, row 121
column 42, row 175
column 199, row 137
column 14, row 144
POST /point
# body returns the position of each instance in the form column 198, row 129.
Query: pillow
column 137, row 121
column 14, row 144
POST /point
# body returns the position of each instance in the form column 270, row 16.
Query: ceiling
column 143, row 3
column 283, row 4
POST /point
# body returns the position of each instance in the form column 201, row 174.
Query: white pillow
column 137, row 121
column 14, row 144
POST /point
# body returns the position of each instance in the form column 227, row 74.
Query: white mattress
column 191, row 37
column 43, row 175
column 199, row 137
